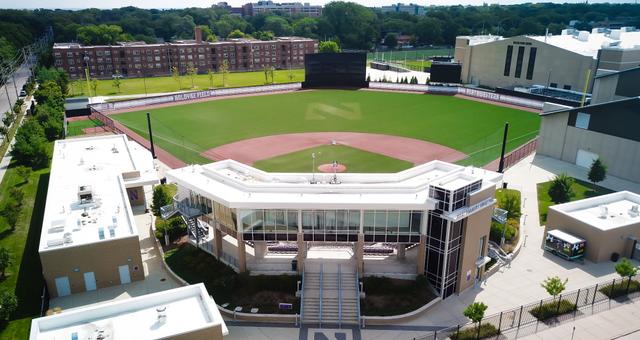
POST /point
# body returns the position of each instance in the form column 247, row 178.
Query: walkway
column 9, row 89
column 520, row 284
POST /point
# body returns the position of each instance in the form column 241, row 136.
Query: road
column 21, row 76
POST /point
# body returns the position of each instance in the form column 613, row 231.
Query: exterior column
column 242, row 256
column 217, row 237
column 260, row 249
column 360, row 254
column 400, row 248
column 302, row 253
column 422, row 255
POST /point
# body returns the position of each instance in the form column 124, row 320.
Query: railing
column 562, row 308
column 358, row 298
column 461, row 213
column 521, row 152
column 168, row 211
column 321, row 294
column 302, row 301
column 339, row 296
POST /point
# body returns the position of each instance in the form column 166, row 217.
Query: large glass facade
column 392, row 226
column 437, row 269
column 269, row 224
column 331, row 225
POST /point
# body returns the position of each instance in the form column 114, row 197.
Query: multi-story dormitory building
column 138, row 59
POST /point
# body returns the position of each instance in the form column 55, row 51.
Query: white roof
column 103, row 166
column 241, row 186
column 564, row 236
column 581, row 42
column 188, row 309
column 604, row 212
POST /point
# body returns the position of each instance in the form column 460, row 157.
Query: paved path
column 21, row 76
column 6, row 158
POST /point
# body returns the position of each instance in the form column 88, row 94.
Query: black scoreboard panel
column 445, row 73
column 335, row 70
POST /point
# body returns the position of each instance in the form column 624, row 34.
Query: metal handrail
column 302, row 300
column 358, row 296
column 321, row 293
column 339, row 296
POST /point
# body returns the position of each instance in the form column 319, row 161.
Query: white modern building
column 186, row 313
column 89, row 238
column 402, row 8
column 290, row 8
column 568, row 61
column 609, row 224
column 432, row 219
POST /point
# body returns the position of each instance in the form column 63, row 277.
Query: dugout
column 347, row 69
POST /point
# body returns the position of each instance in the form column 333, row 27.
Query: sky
column 77, row 4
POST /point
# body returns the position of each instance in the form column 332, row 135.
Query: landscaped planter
column 486, row 331
column 620, row 289
column 552, row 309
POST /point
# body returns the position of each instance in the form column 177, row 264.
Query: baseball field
column 368, row 131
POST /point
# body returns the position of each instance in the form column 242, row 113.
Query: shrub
column 8, row 303
column 498, row 228
column 160, row 199
column 597, row 172
column 511, row 203
column 475, row 311
column 5, row 260
column 621, row 288
column 560, row 190
column 625, row 268
column 486, row 330
column 551, row 309
column 174, row 227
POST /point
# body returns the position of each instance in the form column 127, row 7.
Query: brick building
column 138, row 59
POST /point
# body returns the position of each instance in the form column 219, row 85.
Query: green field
column 74, row 128
column 355, row 160
column 581, row 190
column 169, row 84
column 418, row 54
column 468, row 126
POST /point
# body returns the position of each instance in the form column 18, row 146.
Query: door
column 125, row 276
column 62, row 286
column 585, row 158
column 90, row 281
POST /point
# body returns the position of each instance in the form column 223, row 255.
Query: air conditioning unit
column 634, row 211
column 85, row 194
column 604, row 211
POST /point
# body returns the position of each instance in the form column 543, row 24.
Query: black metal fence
column 551, row 310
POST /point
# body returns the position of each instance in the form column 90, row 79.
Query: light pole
column 86, row 73
column 313, row 168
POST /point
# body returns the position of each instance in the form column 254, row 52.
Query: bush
column 174, row 227
column 551, row 309
column 621, row 288
column 17, row 106
column 9, row 304
column 497, row 229
column 30, row 146
column 560, row 190
column 486, row 330
column 160, row 199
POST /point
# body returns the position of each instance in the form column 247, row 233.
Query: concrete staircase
column 330, row 297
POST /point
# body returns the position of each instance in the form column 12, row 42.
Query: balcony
column 183, row 207
column 461, row 213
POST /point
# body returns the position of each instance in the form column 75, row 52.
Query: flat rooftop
column 241, row 186
column 187, row 309
column 181, row 43
column 87, row 199
column 604, row 212
column 582, row 42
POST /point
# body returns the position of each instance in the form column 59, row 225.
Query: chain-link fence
column 557, row 309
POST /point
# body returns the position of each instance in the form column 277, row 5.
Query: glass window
column 292, row 221
column 519, row 61
column 404, row 222
column 354, row 221
column 416, row 221
column 507, row 61
column 582, row 120
column 369, row 222
column 532, row 62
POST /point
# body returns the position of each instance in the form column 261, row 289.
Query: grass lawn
column 263, row 292
column 416, row 65
column 168, row 84
column 471, row 127
column 25, row 272
column 418, row 54
column 74, row 128
column 354, row 159
column 580, row 188
column 385, row 296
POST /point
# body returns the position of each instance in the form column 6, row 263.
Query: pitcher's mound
column 330, row 169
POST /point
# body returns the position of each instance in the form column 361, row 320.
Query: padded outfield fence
column 550, row 311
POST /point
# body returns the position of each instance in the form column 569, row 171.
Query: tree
column 511, row 203
column 116, row 81
column 391, row 40
column 236, row 34
column 175, row 73
column 24, row 173
column 5, row 261
column 207, row 33
column 30, row 146
column 428, row 31
column 94, row 86
column 224, row 69
column 354, row 25
column 101, row 34
column 554, row 285
column 278, row 25
column 561, row 190
column 11, row 214
column 210, row 75
column 597, row 172
column 192, row 70
column 625, row 268
column 160, row 199
column 475, row 312
column 264, row 35
column 8, row 119
column 8, row 305
column 328, row 47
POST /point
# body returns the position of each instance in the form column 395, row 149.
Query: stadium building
column 567, row 61
column 138, row 59
column 89, row 237
column 432, row 219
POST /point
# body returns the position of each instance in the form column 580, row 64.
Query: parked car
column 23, row 93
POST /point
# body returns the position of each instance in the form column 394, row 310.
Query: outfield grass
column 74, row 128
column 471, row 127
column 355, row 160
column 24, row 275
column 418, row 54
column 581, row 190
column 168, row 84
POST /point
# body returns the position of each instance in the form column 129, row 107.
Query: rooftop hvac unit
column 634, row 211
column 604, row 211
column 583, row 36
column 68, row 238
column 55, row 242
column 615, row 34
column 85, row 194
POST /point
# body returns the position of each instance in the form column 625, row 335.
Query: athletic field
column 470, row 130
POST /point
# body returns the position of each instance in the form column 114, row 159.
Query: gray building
column 608, row 131
column 615, row 85
column 402, row 8
column 567, row 61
